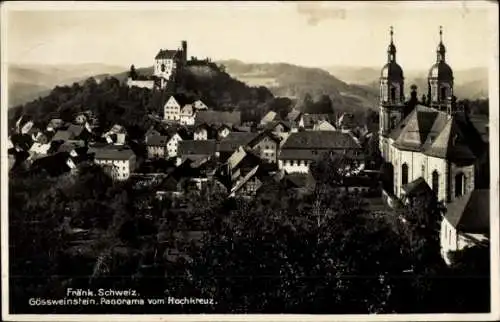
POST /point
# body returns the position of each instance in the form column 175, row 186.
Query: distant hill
column 469, row 83
column 295, row 82
column 28, row 82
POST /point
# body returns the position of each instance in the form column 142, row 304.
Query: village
column 418, row 149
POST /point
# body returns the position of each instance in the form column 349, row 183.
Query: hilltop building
column 167, row 63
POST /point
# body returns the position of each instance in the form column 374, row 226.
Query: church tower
column 440, row 79
column 392, row 102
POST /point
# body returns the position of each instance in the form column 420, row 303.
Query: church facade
column 431, row 139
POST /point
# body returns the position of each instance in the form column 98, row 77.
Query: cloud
column 317, row 12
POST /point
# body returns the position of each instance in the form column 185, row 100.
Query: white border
column 494, row 143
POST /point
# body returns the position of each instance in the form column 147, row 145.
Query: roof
column 158, row 140
column 236, row 157
column 293, row 115
column 311, row 119
column 392, row 70
column 324, row 126
column 64, row 135
column 181, row 99
column 76, row 130
column 471, row 212
column 270, row 116
column 218, row 117
column 299, row 154
column 236, row 139
column 438, row 134
column 197, row 147
column 260, row 136
column 167, row 54
column 417, row 187
column 441, row 70
column 111, row 153
column 322, row 140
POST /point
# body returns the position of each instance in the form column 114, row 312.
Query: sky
column 315, row 34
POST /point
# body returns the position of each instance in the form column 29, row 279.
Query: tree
column 132, row 73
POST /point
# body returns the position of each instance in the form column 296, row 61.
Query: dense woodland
column 332, row 254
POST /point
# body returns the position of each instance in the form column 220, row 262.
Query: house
column 222, row 131
column 324, row 125
column 299, row 182
column 196, row 150
column 117, row 134
column 167, row 62
column 218, row 118
column 345, row 122
column 55, row 124
column 62, row 136
column 416, row 188
column 186, row 116
column 79, row 132
column 163, row 146
column 466, row 222
column 229, row 144
column 203, row 131
column 296, row 119
column 173, row 106
column 237, row 166
column 248, row 185
column 200, row 105
column 21, row 142
column 302, row 148
column 120, row 162
column 311, row 120
column 266, row 145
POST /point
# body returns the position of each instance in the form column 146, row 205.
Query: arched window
column 443, row 93
column 404, row 174
column 393, row 94
column 435, row 182
column 460, row 182
column 162, row 67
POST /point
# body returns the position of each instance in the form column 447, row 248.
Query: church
column 432, row 140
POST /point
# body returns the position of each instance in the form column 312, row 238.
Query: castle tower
column 440, row 79
column 391, row 94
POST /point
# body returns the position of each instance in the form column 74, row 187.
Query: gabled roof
column 197, row 147
column 471, row 212
column 111, row 153
column 260, row 136
column 294, row 115
column 236, row 139
column 322, row 140
column 324, row 125
column 236, row 157
column 181, row 99
column 450, row 144
column 167, row 54
column 218, row 117
column 298, row 180
column 415, row 128
column 269, row 117
column 158, row 140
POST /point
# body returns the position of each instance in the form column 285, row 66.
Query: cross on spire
column 391, row 32
column 441, row 33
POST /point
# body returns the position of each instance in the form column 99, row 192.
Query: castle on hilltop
column 166, row 66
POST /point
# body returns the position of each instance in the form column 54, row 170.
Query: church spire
column 441, row 50
column 391, row 51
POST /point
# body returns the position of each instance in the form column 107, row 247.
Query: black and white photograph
column 244, row 160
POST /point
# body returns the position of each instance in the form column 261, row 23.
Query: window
column 404, row 173
column 443, row 93
column 460, row 182
column 435, row 182
column 162, row 67
column 423, row 170
column 393, row 94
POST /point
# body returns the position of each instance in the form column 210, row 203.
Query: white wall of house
column 141, row 83
column 452, row 240
column 172, row 145
column 294, row 166
column 169, row 65
column 121, row 168
column 186, row 119
column 171, row 110
column 201, row 134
